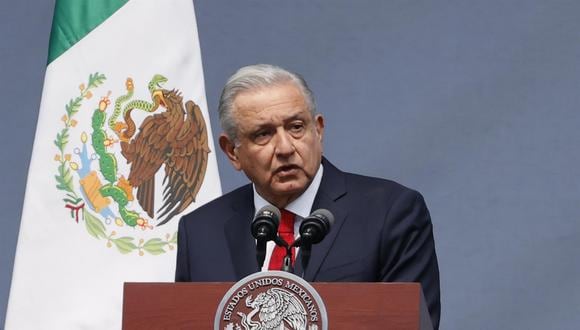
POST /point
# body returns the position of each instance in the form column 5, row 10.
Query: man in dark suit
column 382, row 230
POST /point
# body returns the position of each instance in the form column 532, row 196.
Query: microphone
column 265, row 223
column 264, row 228
column 313, row 229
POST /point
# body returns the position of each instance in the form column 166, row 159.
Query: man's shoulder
column 384, row 196
column 375, row 185
column 361, row 180
column 223, row 204
column 361, row 185
column 364, row 183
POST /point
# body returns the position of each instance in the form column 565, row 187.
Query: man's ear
column 229, row 148
column 319, row 125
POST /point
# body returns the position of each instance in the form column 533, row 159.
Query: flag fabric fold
column 123, row 147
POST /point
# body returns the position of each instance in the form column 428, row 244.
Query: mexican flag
column 123, row 148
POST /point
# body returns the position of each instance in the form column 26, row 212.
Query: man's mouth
column 286, row 170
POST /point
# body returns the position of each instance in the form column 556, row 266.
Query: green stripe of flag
column 74, row 19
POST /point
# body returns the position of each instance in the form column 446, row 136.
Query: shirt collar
column 301, row 206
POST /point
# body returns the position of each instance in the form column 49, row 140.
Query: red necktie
column 286, row 232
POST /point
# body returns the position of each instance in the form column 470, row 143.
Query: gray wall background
column 474, row 103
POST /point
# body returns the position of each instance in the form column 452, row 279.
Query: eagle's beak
column 158, row 94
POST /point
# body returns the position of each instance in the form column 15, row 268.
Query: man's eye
column 262, row 137
column 297, row 127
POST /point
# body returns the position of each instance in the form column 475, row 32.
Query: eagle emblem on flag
column 126, row 145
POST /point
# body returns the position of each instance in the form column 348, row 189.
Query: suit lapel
column 331, row 190
column 237, row 232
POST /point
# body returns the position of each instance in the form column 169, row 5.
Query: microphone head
column 325, row 216
column 265, row 223
column 271, row 212
column 314, row 228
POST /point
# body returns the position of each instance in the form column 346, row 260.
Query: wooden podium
column 397, row 306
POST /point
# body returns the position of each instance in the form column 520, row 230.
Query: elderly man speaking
column 272, row 132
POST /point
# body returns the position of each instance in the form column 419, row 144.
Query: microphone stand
column 261, row 240
column 287, row 262
column 260, row 251
column 305, row 251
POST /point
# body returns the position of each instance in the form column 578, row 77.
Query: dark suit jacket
column 382, row 232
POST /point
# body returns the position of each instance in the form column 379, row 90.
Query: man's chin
column 289, row 187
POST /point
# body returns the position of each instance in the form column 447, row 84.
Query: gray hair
column 254, row 77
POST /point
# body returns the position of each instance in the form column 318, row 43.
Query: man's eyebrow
column 259, row 127
column 296, row 116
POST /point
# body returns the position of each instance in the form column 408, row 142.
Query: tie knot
column 287, row 222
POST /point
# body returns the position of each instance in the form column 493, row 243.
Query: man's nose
column 284, row 144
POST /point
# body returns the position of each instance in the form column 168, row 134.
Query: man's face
column 279, row 145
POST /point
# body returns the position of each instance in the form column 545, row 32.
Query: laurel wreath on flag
column 75, row 201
